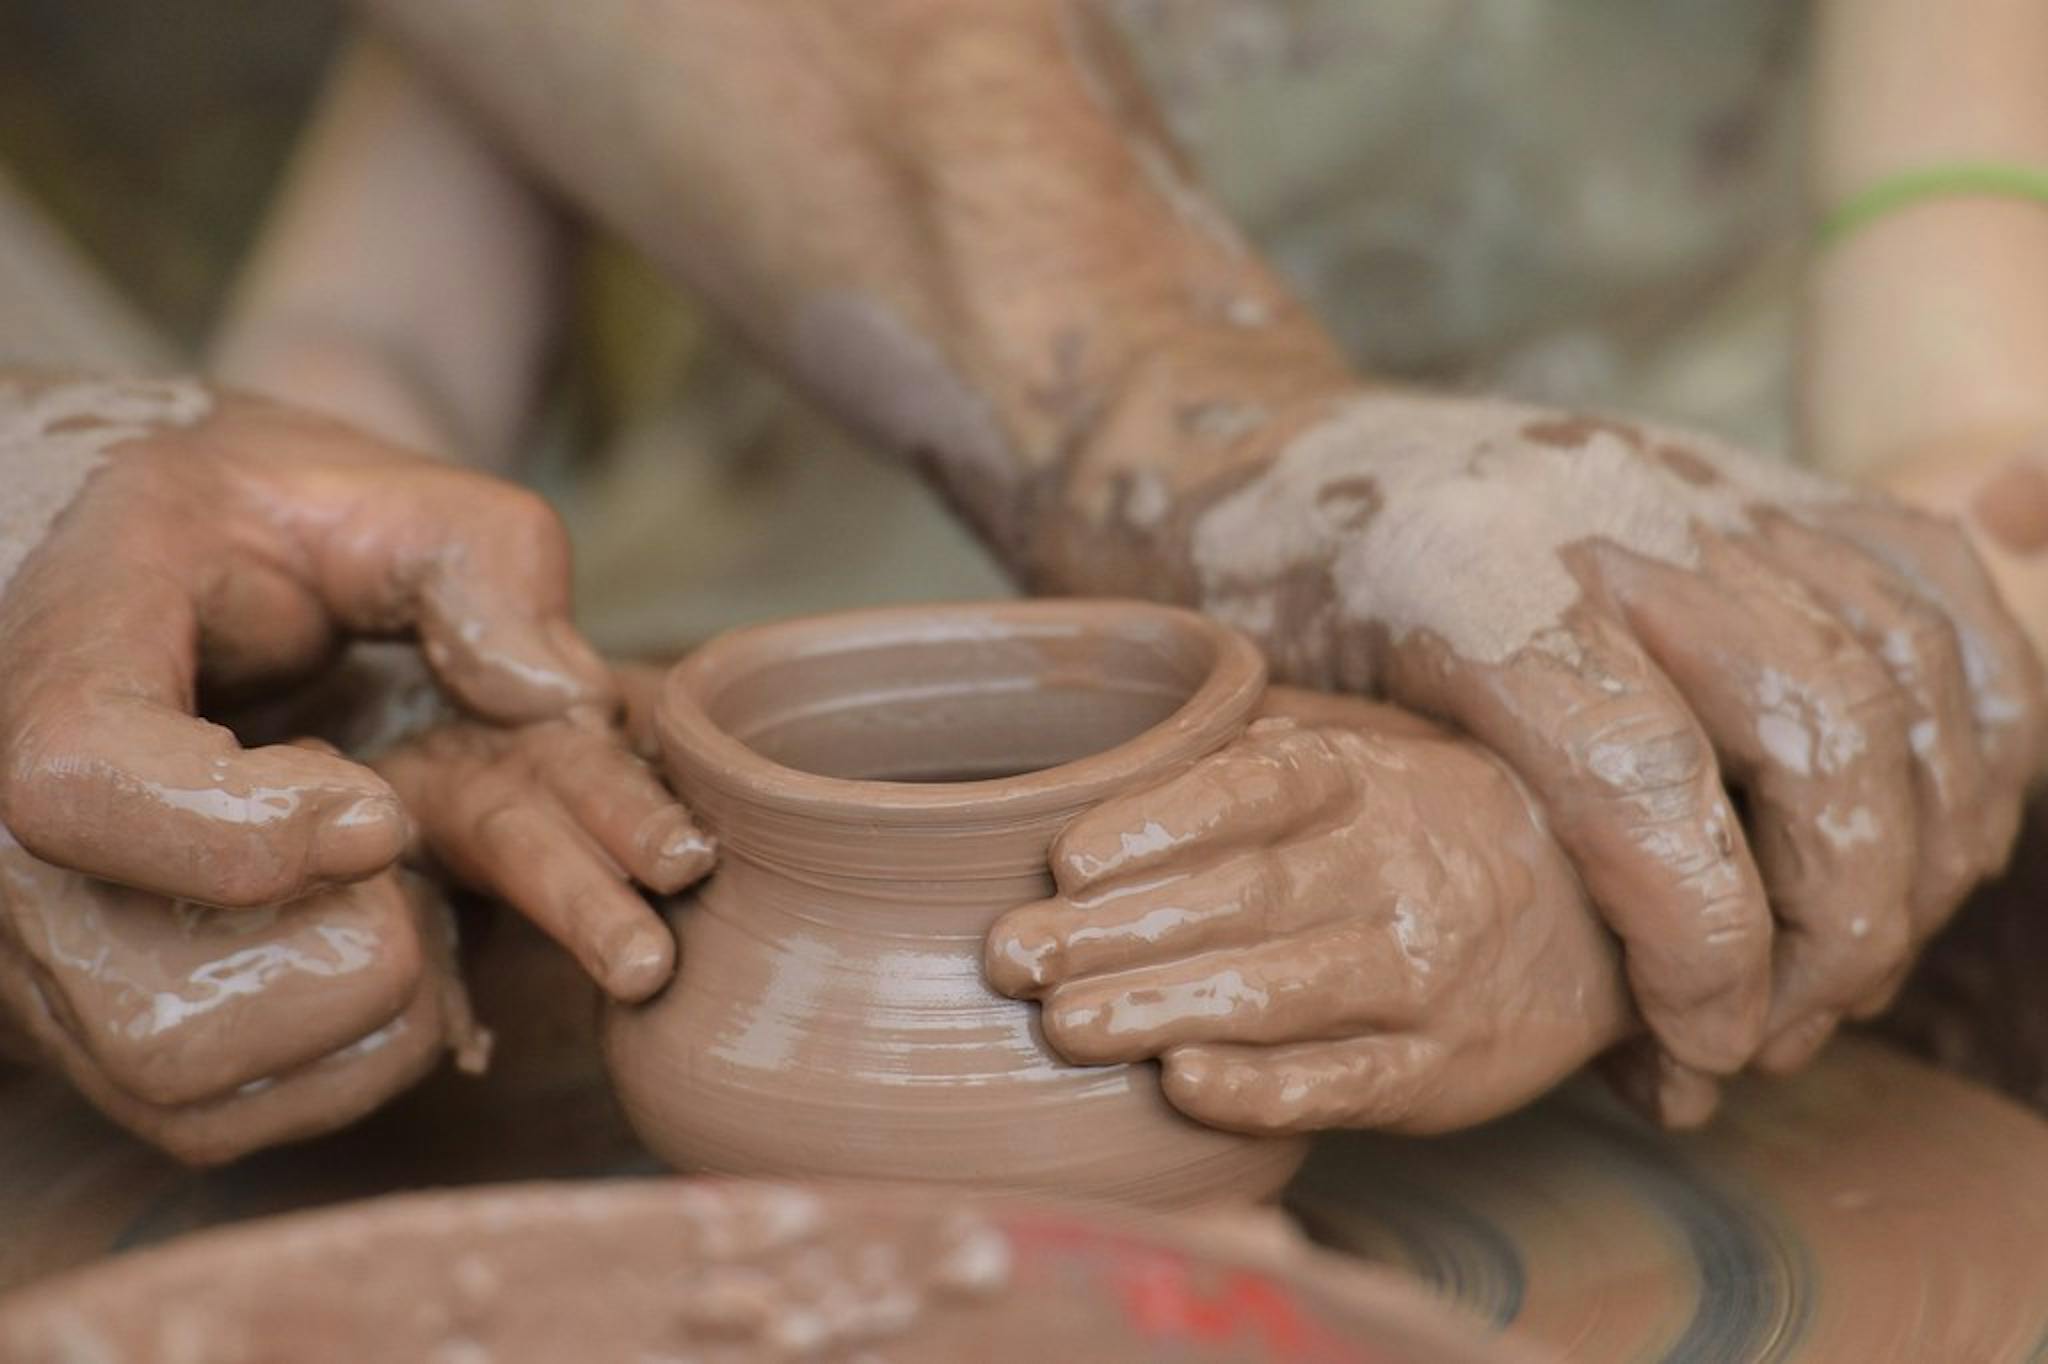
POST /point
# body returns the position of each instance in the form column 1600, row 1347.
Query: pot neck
column 799, row 744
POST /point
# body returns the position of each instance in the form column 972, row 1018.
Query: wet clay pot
column 884, row 785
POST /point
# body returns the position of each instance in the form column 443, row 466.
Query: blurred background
column 1588, row 203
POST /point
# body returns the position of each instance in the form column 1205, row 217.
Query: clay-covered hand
column 1639, row 621
column 208, row 539
column 213, row 1032
column 1345, row 918
column 558, row 819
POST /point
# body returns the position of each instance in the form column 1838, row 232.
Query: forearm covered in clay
column 55, row 434
column 975, row 244
column 407, row 280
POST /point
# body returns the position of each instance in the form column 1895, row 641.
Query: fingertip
column 1792, row 1047
column 675, row 852
column 1020, row 956
column 638, row 960
column 1712, row 1031
column 358, row 836
column 1686, row 1098
column 510, row 668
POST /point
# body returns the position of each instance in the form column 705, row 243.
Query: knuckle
column 1643, row 747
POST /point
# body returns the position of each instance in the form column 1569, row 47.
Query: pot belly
column 787, row 1048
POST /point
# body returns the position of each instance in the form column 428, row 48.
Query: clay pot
column 883, row 785
column 729, row 1271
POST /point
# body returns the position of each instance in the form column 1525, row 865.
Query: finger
column 1664, row 1090
column 1316, row 986
column 108, row 772
column 535, row 859
column 1236, row 904
column 480, row 568
column 325, row 1094
column 619, row 803
column 1809, row 722
column 1919, row 648
column 1632, row 792
column 178, row 1004
column 1276, row 777
column 2003, row 671
column 1306, row 1087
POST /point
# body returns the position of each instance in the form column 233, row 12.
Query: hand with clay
column 557, row 819
column 216, row 541
column 1347, row 918
column 162, row 539
column 994, row 264
column 1638, row 621
column 213, row 1032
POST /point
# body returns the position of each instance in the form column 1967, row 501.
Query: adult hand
column 223, row 541
column 213, row 1032
column 1346, row 918
column 1637, row 621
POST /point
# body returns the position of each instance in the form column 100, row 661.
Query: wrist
column 1186, row 424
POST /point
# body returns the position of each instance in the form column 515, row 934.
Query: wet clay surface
column 214, row 1032
column 729, row 1271
column 1346, row 917
column 829, row 1015
column 227, row 542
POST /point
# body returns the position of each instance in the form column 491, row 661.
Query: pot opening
column 953, row 709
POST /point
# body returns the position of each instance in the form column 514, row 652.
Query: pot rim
column 691, row 741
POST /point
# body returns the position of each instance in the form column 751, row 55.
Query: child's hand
column 558, row 820
column 1348, row 918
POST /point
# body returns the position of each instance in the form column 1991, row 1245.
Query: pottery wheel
column 1870, row 1209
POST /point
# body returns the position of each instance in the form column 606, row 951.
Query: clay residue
column 55, row 435
column 1347, row 918
column 1475, row 513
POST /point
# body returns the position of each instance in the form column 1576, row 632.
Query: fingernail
column 638, row 961
column 360, row 839
column 679, row 850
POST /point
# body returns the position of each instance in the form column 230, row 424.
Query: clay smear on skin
column 1453, row 475
column 52, row 439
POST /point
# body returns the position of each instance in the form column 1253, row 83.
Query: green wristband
column 1968, row 179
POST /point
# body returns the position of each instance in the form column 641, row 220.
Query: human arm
column 960, row 227
column 408, row 279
